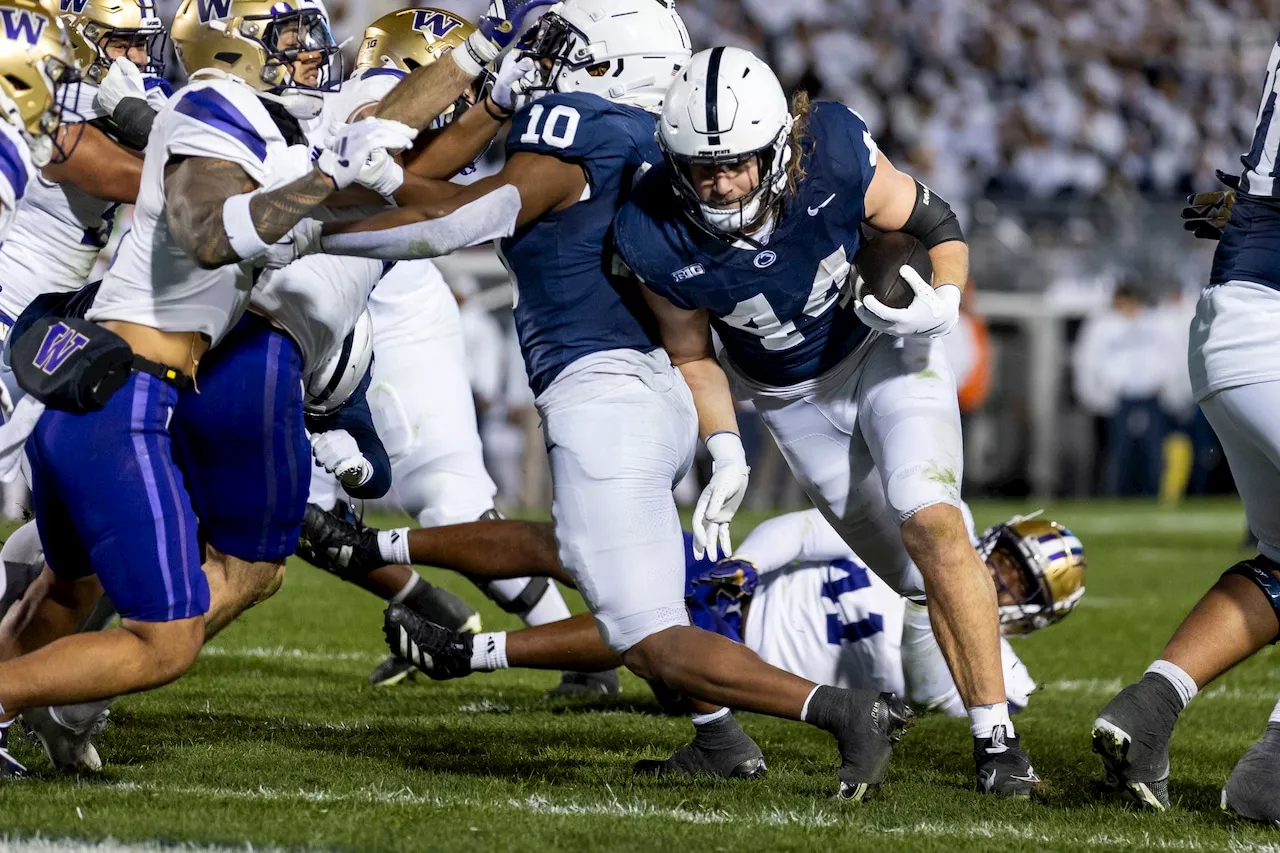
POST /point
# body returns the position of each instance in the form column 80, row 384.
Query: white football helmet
column 725, row 107
column 336, row 379
column 626, row 51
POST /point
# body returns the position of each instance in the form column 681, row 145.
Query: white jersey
column 56, row 237
column 152, row 281
column 318, row 299
column 15, row 174
column 819, row 612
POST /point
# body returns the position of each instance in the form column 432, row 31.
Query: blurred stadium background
column 1066, row 134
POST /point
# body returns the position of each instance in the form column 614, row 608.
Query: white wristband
column 726, row 447
column 238, row 224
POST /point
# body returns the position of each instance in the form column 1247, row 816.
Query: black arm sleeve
column 132, row 120
column 932, row 221
column 356, row 418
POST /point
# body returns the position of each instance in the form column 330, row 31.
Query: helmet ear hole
column 227, row 57
column 19, row 85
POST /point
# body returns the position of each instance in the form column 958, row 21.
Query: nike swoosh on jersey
column 813, row 211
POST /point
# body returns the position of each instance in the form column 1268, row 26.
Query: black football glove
column 1206, row 214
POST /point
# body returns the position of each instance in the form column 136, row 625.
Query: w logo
column 210, row 9
column 20, row 25
column 59, row 343
column 73, row 6
column 434, row 25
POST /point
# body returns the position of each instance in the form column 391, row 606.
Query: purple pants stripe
column 141, row 393
column 268, row 430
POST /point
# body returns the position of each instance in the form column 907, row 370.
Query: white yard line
column 40, row 844
column 1111, row 686
column 815, row 818
column 282, row 653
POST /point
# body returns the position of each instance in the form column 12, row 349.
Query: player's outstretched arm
column 528, row 186
column 457, row 147
column 686, row 336
column 98, row 166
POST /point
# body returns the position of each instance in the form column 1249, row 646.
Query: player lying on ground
column 793, row 592
column 1234, row 360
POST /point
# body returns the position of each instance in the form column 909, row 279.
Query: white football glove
column 721, row 497
column 349, row 149
column 515, row 75
column 337, row 452
column 933, row 313
column 303, row 239
column 381, row 173
column 122, row 80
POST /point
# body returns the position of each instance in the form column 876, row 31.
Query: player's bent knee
column 929, row 532
column 651, row 658
column 1264, row 573
column 171, row 648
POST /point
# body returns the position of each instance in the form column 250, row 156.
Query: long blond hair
column 799, row 129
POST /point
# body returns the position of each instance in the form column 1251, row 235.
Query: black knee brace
column 525, row 601
column 1262, row 571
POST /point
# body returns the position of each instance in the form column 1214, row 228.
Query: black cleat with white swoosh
column 437, row 651
column 1003, row 768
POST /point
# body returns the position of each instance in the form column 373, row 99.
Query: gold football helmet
column 276, row 46
column 103, row 30
column 37, row 78
column 1038, row 566
column 411, row 38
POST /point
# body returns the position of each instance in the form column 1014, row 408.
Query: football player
column 37, row 80
column 748, row 228
column 1235, row 379
column 619, row 419
column 793, row 592
column 427, row 418
column 71, row 206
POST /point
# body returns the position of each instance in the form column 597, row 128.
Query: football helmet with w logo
column 104, row 30
column 1038, row 567
column 282, row 48
column 38, row 78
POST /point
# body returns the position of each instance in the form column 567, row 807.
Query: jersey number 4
column 757, row 317
column 559, row 129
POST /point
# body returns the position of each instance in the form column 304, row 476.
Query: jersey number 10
column 556, row 133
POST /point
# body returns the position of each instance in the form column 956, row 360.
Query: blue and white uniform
column 820, row 613
column 16, row 171
column 107, row 488
column 868, row 423
column 1234, row 355
column 619, row 420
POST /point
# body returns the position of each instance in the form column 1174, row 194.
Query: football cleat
column 1131, row 735
column 392, row 671
column 66, row 733
column 440, row 653
column 435, row 605
column 1253, row 789
column 587, row 684
column 339, row 543
column 719, row 748
column 866, row 725
column 1003, row 768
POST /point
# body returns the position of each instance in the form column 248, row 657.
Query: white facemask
column 729, row 220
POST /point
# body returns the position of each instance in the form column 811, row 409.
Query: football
column 877, row 264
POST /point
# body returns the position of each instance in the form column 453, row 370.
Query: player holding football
column 748, row 229
column 1235, row 375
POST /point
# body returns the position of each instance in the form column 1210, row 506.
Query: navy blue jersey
column 1250, row 246
column 568, row 302
column 784, row 312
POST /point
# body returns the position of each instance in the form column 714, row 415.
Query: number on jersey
column 756, row 316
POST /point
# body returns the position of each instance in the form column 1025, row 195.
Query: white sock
column 550, row 608
column 983, row 719
column 1182, row 683
column 1275, row 715
column 489, row 652
column 414, row 580
column 703, row 719
column 393, row 545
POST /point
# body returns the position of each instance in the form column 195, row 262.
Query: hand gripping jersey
column 318, row 299
column 16, row 171
column 1250, row 246
column 56, row 236
column 152, row 280
column 568, row 301
column 784, row 312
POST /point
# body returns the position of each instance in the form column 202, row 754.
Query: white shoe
column 67, row 734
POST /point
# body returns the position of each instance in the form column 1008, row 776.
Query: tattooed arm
column 196, row 188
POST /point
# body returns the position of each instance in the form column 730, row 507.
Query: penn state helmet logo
column 765, row 259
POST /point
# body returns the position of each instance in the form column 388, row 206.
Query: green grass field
column 275, row 739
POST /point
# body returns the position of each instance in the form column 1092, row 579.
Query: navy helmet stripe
column 713, row 90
